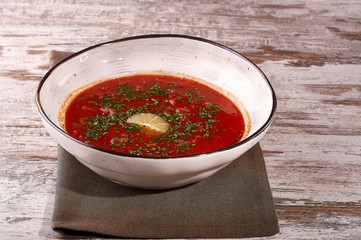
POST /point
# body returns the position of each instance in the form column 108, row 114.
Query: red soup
column 154, row 115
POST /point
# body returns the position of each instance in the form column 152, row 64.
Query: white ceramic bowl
column 192, row 56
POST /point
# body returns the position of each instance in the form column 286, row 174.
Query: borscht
column 154, row 115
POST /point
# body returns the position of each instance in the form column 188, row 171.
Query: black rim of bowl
column 247, row 139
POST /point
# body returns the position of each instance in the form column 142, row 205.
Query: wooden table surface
column 310, row 51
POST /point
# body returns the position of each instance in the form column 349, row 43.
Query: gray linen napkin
column 236, row 202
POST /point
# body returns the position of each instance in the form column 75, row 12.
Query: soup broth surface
column 154, row 115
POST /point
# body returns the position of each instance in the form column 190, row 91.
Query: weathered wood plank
column 310, row 50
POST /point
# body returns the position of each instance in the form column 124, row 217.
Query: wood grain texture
column 310, row 51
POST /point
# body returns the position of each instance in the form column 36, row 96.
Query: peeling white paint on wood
column 310, row 51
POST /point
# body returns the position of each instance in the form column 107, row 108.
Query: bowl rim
column 148, row 36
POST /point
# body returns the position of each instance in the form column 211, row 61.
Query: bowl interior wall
column 198, row 59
